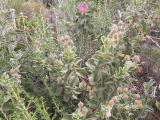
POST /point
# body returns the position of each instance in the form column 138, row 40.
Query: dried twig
column 149, row 37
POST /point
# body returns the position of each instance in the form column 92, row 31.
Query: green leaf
column 145, row 27
column 91, row 79
column 68, row 73
column 78, row 61
column 66, row 98
column 74, row 97
column 74, row 80
column 6, row 98
column 91, row 63
column 81, row 72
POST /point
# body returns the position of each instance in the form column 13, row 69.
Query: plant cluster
column 79, row 60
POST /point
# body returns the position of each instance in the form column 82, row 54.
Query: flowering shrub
column 49, row 73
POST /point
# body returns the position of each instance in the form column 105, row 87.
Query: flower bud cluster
column 82, row 110
column 125, row 100
column 14, row 72
column 115, row 34
column 66, row 41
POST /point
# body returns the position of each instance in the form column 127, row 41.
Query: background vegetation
column 79, row 60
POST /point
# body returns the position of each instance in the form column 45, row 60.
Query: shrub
column 85, row 63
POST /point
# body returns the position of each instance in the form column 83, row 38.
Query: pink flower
column 83, row 8
column 108, row 114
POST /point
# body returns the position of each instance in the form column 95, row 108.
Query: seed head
column 136, row 59
column 125, row 97
column 119, row 90
column 125, row 90
column 137, row 96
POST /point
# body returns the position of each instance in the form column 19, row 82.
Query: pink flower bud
column 108, row 114
column 83, row 8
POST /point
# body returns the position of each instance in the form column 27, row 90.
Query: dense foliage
column 79, row 60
